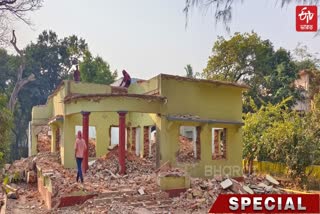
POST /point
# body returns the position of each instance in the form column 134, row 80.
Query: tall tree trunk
column 21, row 82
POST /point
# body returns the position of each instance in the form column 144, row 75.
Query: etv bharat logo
column 306, row 18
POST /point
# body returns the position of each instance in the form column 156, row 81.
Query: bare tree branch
column 21, row 82
column 11, row 10
column 223, row 8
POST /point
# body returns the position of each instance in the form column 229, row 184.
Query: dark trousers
column 127, row 84
column 79, row 175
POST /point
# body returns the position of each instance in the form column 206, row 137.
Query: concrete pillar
column 85, row 136
column 122, row 141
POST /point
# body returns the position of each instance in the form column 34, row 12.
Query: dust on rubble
column 122, row 194
column 44, row 140
column 92, row 147
column 186, row 150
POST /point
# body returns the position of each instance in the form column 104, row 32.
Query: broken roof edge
column 73, row 97
column 55, row 119
column 56, row 90
column 210, row 121
column 216, row 82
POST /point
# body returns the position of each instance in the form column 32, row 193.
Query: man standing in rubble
column 80, row 148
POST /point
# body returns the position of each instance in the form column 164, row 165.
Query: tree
column 275, row 133
column 8, row 66
column 239, row 58
column 246, row 58
column 50, row 60
column 96, row 70
column 189, row 71
column 15, row 9
column 5, row 130
column 223, row 8
column 20, row 80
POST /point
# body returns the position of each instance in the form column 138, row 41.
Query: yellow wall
column 141, row 120
column 202, row 99
column 58, row 105
column 114, row 104
column 88, row 88
column 206, row 100
column 145, row 87
column 280, row 169
column 232, row 165
column 101, row 121
column 41, row 113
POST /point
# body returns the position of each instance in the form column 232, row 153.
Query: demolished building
column 211, row 111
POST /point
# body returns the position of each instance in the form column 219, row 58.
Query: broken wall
column 206, row 100
column 100, row 120
column 149, row 87
column 140, row 120
column 205, row 166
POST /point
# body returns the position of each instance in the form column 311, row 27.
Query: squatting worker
column 79, row 149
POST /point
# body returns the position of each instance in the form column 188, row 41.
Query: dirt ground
column 29, row 201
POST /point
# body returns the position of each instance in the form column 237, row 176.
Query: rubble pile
column 203, row 192
column 2, row 198
column 25, row 170
column 92, row 147
column 21, row 170
column 44, row 142
column 110, row 162
column 171, row 172
column 185, row 152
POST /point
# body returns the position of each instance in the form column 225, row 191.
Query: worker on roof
column 126, row 81
column 79, row 148
column 76, row 74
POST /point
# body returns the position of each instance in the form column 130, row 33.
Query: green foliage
column 246, row 58
column 96, row 70
column 5, row 128
column 5, row 180
column 49, row 59
column 275, row 133
column 189, row 71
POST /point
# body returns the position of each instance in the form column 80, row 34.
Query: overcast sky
column 148, row 37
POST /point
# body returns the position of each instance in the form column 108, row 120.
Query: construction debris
column 203, row 192
column 135, row 192
column 226, row 184
column 141, row 191
column 31, row 177
column 141, row 210
column 186, row 150
column 272, row 180
column 248, row 189
column 44, row 141
column 92, row 147
column 12, row 195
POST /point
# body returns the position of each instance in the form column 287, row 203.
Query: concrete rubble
column 186, row 150
column 135, row 192
column 44, row 140
column 92, row 148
